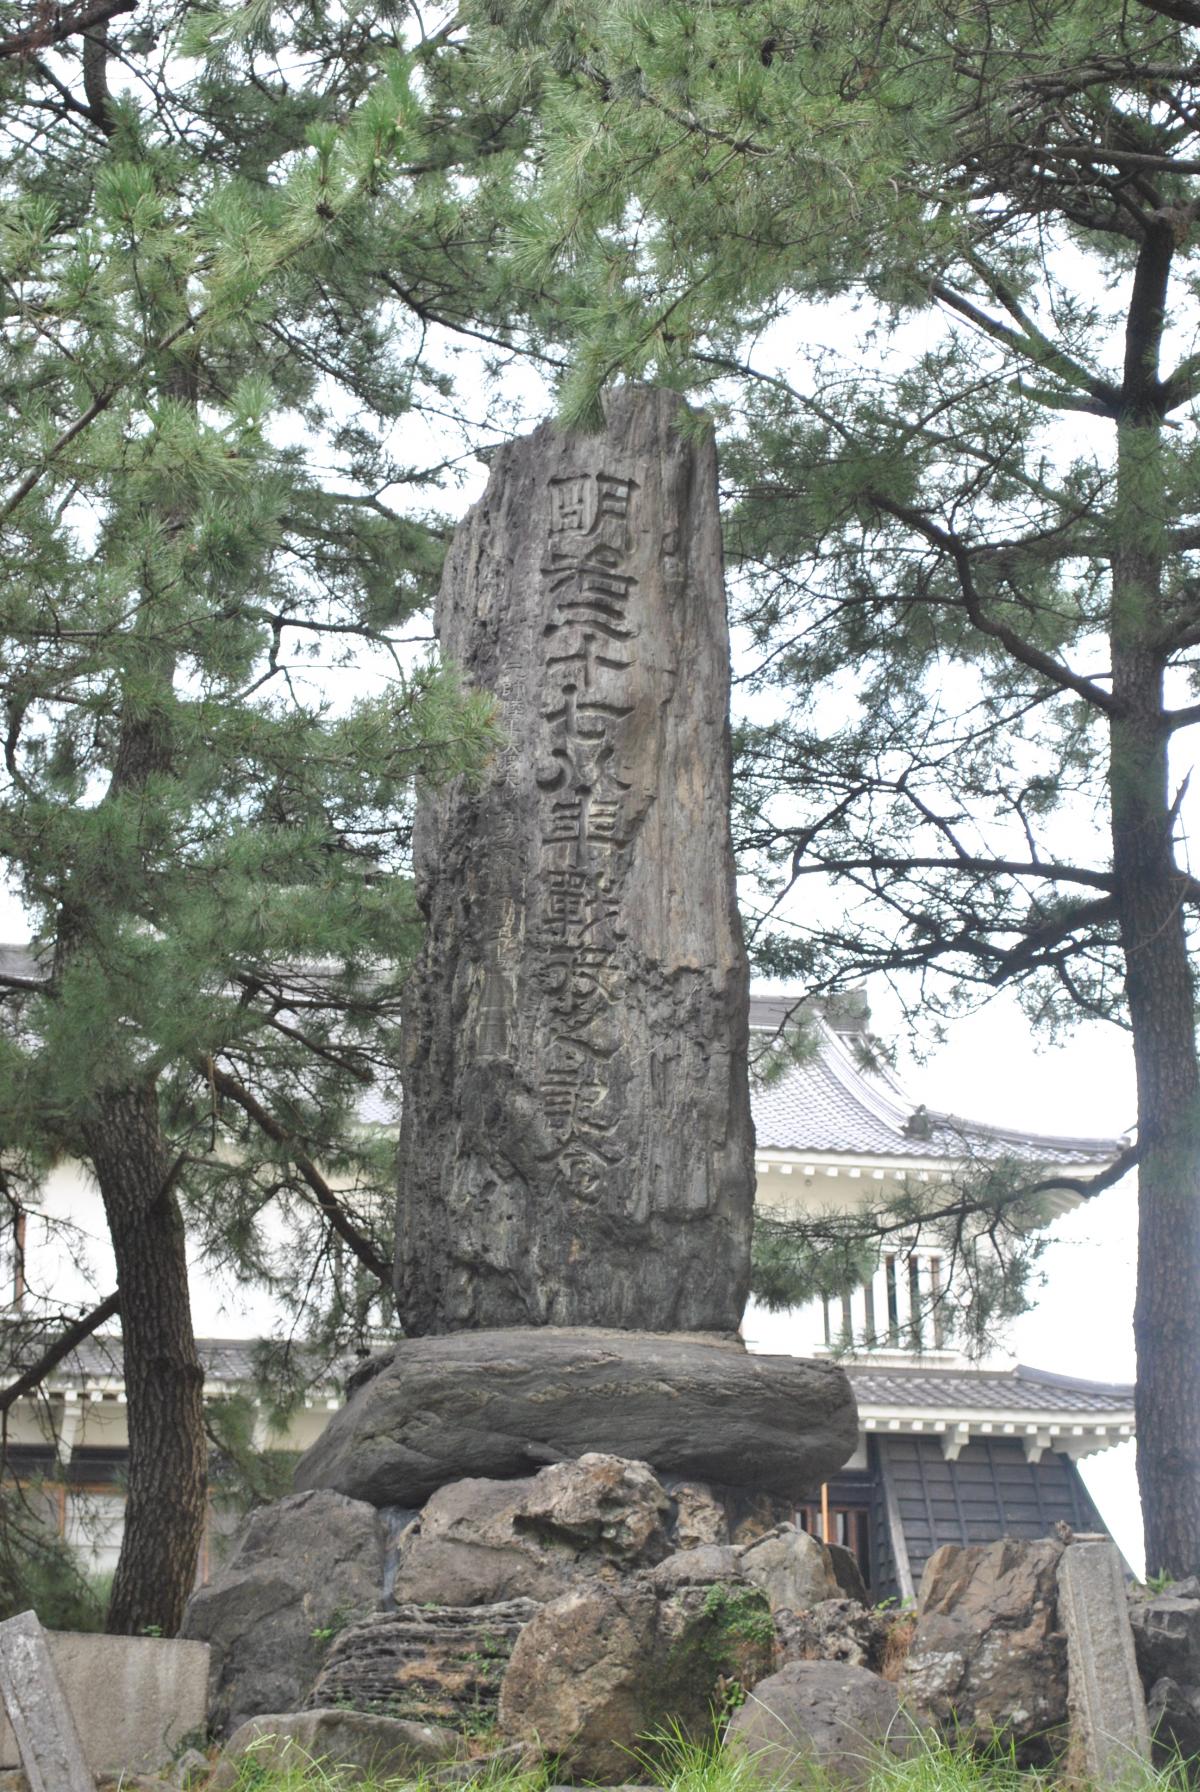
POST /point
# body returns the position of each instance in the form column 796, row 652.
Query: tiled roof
column 962, row 1391
column 841, row 1099
column 968, row 1390
column 229, row 1360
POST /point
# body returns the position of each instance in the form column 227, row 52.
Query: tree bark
column 1158, row 974
column 164, row 1513
column 122, row 1134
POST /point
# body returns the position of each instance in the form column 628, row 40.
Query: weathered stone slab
column 437, row 1665
column 576, row 1144
column 1109, row 1732
column 362, row 1745
column 497, row 1404
column 47, row 1740
column 132, row 1698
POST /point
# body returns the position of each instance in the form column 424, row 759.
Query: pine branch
column 55, row 28
column 340, row 1222
column 1021, row 650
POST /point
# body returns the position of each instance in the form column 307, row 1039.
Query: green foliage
column 217, row 532
column 41, row 1573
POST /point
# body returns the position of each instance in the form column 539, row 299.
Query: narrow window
column 935, row 1301
column 914, row 1300
column 869, row 1304
column 893, row 1305
column 847, row 1323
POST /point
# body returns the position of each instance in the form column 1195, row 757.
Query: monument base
column 504, row 1403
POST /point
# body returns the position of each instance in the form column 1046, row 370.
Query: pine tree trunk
column 164, row 1513
column 1158, row 975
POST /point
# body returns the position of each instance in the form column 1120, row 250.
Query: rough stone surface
column 700, row 1515
column 441, row 1665
column 304, row 1565
column 820, row 1715
column 792, row 1569
column 1173, row 1713
column 362, row 1745
column 479, row 1541
column 1166, row 1634
column 132, row 1698
column 835, row 1630
column 847, row 1573
column 602, row 1504
column 988, row 1661
column 603, row 1667
column 48, row 1744
column 698, row 1567
column 497, row 1404
column 1109, row 1735
column 576, row 1145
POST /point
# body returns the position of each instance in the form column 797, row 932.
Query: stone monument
column 576, row 1157
column 576, row 1146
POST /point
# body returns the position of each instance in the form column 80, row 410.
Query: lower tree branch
column 63, row 1345
column 340, row 1222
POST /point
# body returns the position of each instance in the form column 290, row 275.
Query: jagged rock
column 1173, row 1713
column 698, row 1567
column 988, row 1662
column 792, row 1569
column 820, row 1716
column 440, row 1665
column 601, row 1668
column 478, row 1541
column 362, row 1745
column 576, row 1145
column 602, row 1504
column 847, row 1573
column 496, row 1404
column 699, row 1514
column 835, row 1630
column 300, row 1569
column 1166, row 1634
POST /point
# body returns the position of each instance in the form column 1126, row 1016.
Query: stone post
column 1110, row 1737
column 47, row 1740
column 576, row 1146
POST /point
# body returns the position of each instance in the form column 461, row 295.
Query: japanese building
column 950, row 1449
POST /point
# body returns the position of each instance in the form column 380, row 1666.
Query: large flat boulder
column 500, row 1404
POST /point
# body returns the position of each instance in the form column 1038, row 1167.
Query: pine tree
column 963, row 502
column 224, row 239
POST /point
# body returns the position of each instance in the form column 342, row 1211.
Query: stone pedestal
column 576, row 1146
column 502, row 1404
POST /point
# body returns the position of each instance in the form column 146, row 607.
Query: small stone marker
column 1110, row 1736
column 51, row 1753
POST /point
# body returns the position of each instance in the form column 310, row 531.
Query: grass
column 677, row 1765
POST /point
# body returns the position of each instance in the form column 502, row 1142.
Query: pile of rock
column 571, row 1612
column 1166, row 1631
